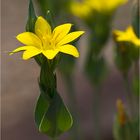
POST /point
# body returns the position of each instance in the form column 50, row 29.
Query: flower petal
column 29, row 39
column 42, row 27
column 127, row 35
column 30, row 52
column 50, row 54
column 70, row 37
column 69, row 49
column 61, row 31
column 23, row 48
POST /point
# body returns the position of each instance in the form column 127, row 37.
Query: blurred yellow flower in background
column 127, row 35
column 86, row 8
column 81, row 9
column 106, row 5
column 48, row 42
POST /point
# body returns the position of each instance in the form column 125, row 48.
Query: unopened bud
column 121, row 112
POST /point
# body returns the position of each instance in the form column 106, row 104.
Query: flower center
column 48, row 43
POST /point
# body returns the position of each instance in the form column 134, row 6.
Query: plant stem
column 96, row 113
column 129, row 96
column 135, row 77
column 73, row 108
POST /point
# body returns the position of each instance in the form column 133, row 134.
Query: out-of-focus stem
column 96, row 113
column 136, row 68
column 75, row 132
column 129, row 96
column 136, row 75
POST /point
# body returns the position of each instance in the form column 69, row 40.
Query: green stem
column 96, row 113
column 73, row 107
column 129, row 96
column 136, row 76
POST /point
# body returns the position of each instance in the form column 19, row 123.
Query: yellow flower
column 46, row 41
column 80, row 9
column 106, row 5
column 86, row 8
column 128, row 36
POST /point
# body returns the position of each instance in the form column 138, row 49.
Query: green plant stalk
column 73, row 107
column 51, row 115
column 100, row 30
column 96, row 79
column 129, row 97
column 136, row 74
column 96, row 113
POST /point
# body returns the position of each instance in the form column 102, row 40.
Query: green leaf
column 44, row 6
column 31, row 18
column 41, row 107
column 52, row 117
column 53, row 5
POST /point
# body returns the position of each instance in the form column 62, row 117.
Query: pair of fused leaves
column 51, row 115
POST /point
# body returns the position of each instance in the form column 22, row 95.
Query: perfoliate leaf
column 41, row 108
column 31, row 18
column 52, row 116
